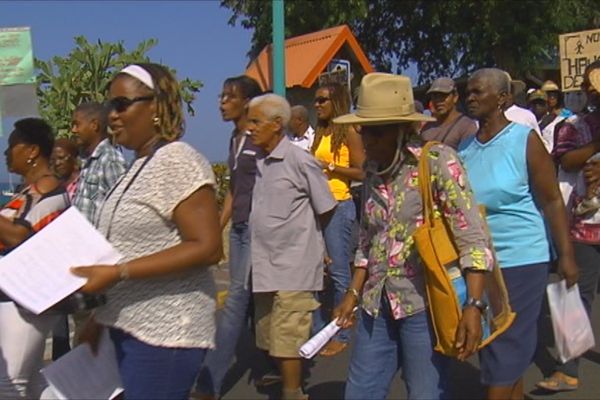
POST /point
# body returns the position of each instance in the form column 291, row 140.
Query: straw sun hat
column 384, row 99
column 550, row 86
column 595, row 79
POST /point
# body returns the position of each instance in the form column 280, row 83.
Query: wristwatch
column 331, row 167
column 473, row 302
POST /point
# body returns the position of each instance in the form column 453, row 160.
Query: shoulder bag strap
column 451, row 127
column 425, row 183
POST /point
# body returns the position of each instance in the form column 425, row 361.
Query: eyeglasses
column 121, row 103
column 321, row 100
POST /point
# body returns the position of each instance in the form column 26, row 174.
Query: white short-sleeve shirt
column 137, row 218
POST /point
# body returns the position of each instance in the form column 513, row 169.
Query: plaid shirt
column 98, row 175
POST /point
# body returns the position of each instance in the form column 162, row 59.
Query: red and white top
column 33, row 209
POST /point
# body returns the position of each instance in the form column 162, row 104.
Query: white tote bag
column 573, row 334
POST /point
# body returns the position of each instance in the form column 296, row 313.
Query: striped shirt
column 33, row 209
column 99, row 173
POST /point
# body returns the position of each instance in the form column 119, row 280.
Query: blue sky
column 193, row 37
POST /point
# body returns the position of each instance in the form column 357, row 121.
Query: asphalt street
column 325, row 377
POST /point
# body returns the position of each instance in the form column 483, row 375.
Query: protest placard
column 577, row 50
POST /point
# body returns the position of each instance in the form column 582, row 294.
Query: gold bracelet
column 123, row 272
column 355, row 293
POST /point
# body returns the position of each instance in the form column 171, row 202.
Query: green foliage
column 221, row 172
column 454, row 37
column 83, row 75
column 442, row 37
column 301, row 16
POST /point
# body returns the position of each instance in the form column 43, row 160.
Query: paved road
column 326, row 376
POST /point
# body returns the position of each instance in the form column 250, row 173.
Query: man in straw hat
column 537, row 103
column 394, row 328
column 577, row 141
column 518, row 114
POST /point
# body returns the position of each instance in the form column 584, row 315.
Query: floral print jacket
column 393, row 210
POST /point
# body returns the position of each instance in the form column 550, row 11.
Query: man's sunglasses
column 321, row 100
column 120, row 104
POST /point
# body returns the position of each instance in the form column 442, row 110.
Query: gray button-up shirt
column 287, row 244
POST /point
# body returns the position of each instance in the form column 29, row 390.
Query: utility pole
column 278, row 48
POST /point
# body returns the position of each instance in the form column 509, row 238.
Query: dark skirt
column 507, row 358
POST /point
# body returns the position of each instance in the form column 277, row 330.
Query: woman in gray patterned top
column 162, row 217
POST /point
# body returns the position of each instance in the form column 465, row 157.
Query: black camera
column 80, row 302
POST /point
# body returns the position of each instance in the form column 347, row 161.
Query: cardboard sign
column 577, row 51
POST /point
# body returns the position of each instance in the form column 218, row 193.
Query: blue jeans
column 153, row 372
column 383, row 345
column 338, row 239
column 233, row 315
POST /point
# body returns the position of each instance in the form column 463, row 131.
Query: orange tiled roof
column 307, row 56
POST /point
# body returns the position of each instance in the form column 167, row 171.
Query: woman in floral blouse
column 394, row 329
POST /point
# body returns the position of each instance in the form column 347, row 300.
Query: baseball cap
column 442, row 85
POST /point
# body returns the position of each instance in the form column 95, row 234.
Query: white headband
column 139, row 73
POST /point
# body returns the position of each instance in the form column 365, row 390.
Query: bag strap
column 451, row 127
column 425, row 182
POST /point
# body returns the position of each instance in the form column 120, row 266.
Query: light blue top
column 565, row 112
column 498, row 174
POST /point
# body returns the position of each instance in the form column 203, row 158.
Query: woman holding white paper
column 394, row 330
column 41, row 199
column 513, row 176
column 162, row 216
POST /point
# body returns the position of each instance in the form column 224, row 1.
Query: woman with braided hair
column 162, row 217
column 340, row 151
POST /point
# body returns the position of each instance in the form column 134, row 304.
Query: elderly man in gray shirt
column 291, row 200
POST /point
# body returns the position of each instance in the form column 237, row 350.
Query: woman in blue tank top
column 513, row 176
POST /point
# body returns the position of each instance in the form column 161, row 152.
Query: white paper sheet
column 316, row 343
column 36, row 274
column 80, row 374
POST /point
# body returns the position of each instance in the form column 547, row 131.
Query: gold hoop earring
column 156, row 122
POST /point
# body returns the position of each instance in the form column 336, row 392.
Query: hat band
column 385, row 112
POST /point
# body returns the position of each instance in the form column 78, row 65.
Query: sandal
column 201, row 396
column 333, row 348
column 297, row 394
column 559, row 382
column 268, row 379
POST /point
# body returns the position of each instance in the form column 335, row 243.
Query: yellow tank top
column 339, row 185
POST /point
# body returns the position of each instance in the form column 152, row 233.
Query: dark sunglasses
column 321, row 100
column 375, row 130
column 120, row 104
